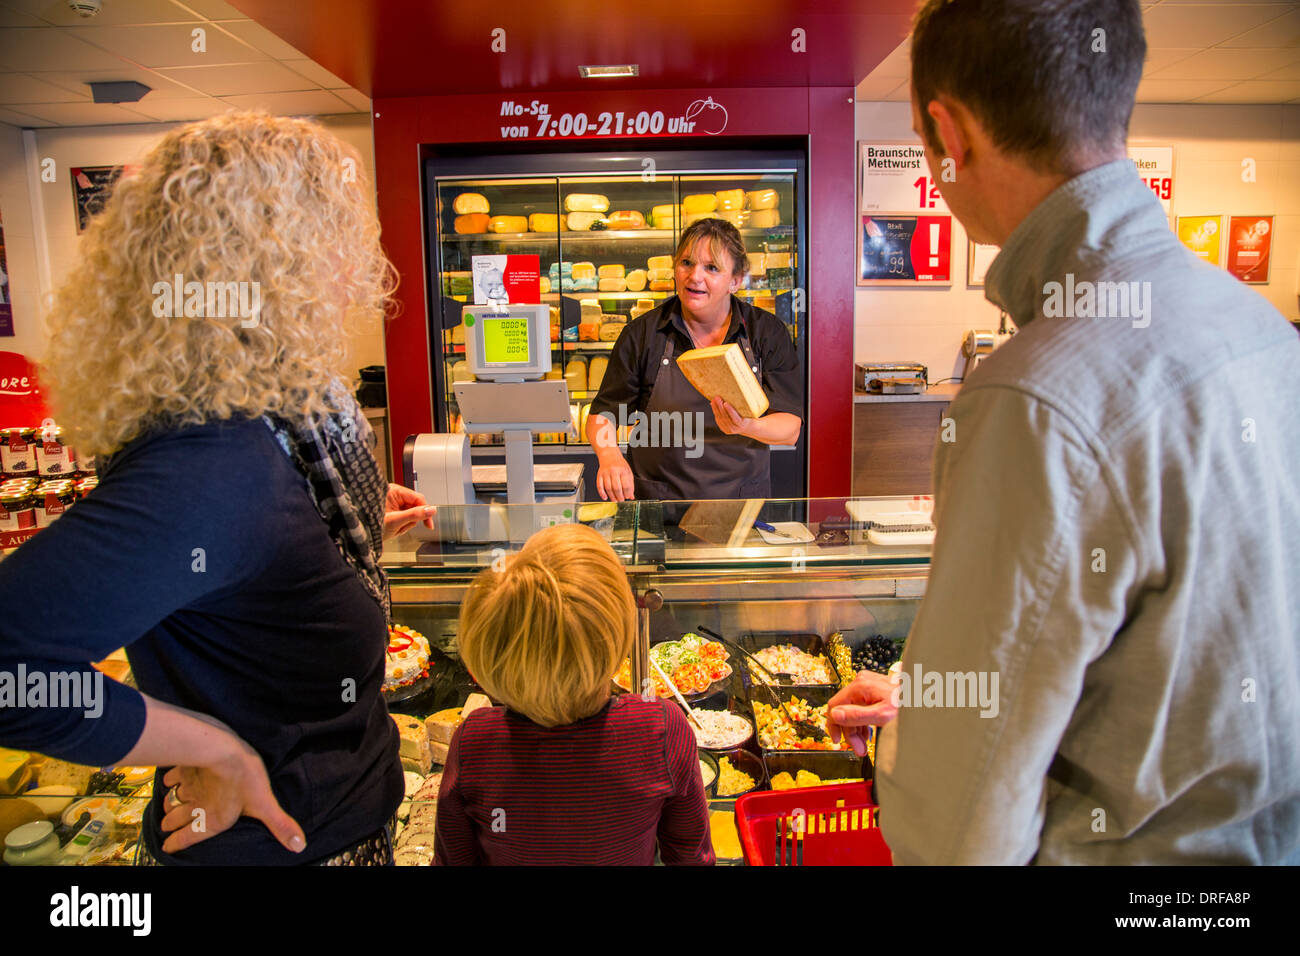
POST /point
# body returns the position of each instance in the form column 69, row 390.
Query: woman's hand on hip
column 205, row 801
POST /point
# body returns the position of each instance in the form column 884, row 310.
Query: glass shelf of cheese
column 604, row 248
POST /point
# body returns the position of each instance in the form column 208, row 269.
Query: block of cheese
column 13, row 769
column 471, row 223
column 722, row 370
column 612, row 272
column 586, row 202
column 556, row 374
column 778, row 260
column 642, row 306
column 699, row 202
column 584, row 270
column 473, row 703
column 508, row 224
column 730, row 199
column 467, row 203
column 460, row 372
column 662, row 285
column 658, row 275
column 587, row 332
column 757, row 263
column 460, row 283
column 613, row 285
column 765, row 218
column 439, row 751
column 626, row 219
column 544, row 284
column 610, row 331
column 543, row 222
column 575, row 373
column 458, row 335
column 661, row 217
column 580, row 285
column 591, row 309
column 583, row 221
column 636, row 280
column 763, row 198
column 737, row 217
column 555, row 315
column 582, row 418
column 660, row 262
column 414, row 741
column 596, row 370
column 55, row 772
column 442, row 725
column 766, row 302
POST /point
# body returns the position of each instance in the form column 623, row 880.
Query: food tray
column 816, row 696
column 746, row 762
column 808, row 643
column 827, row 764
column 741, row 709
column 820, row 826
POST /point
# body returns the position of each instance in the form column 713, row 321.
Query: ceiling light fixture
column 622, row 69
column 85, row 8
column 118, row 91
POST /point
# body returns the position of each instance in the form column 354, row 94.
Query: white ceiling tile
column 14, row 118
column 181, row 110
column 239, row 79
column 213, row 9
column 1291, row 72
column 1204, row 25
column 157, row 46
column 316, row 73
column 1221, row 63
column 50, row 49
column 1255, row 91
column 1281, row 32
column 1159, row 59
column 355, row 99
column 160, row 87
column 89, row 114
column 260, row 38
column 14, row 18
column 308, row 103
column 1176, row 91
column 114, row 12
column 16, row 88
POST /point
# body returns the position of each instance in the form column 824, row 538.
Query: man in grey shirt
column 1106, row 665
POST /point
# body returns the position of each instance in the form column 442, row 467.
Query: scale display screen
column 505, row 341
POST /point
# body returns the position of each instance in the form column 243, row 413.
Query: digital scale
column 508, row 350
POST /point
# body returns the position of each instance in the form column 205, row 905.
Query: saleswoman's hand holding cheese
column 684, row 445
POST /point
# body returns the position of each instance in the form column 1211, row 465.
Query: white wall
column 927, row 324
column 107, row 146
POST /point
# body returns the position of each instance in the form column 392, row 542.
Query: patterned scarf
column 336, row 456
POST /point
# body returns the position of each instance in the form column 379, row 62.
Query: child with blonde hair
column 564, row 772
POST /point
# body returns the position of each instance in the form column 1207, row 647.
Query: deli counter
column 826, row 583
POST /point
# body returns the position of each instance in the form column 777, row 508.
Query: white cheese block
column 660, row 262
column 659, row 275
column 617, row 284
column 473, row 703
column 467, row 203
column 586, row 202
column 722, row 370
column 636, row 280
column 584, row 270
column 582, row 221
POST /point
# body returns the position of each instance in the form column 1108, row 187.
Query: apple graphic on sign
column 711, row 116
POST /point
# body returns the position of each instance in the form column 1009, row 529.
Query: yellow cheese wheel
column 662, row 217
column 612, row 272
column 595, row 375
column 544, row 284
column 471, row 223
column 613, row 285
column 763, row 198
column 458, row 335
column 555, row 374
column 730, row 199
column 582, row 221
column 662, row 285
column 626, row 219
column 575, row 374
column 660, row 262
column 660, row 275
column 636, row 280
column 508, row 224
column 765, row 218
column 467, row 203
column 543, row 222
column 699, row 202
column 584, row 270
column 610, row 331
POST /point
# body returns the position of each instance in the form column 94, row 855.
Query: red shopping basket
column 814, row 826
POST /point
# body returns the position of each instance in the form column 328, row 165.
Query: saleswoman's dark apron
column 730, row 466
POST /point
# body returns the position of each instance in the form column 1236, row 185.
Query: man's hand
column 867, row 702
column 404, row 509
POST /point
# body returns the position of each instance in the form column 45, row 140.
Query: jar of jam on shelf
column 17, row 513
column 17, row 456
column 53, row 498
column 53, row 457
column 85, row 486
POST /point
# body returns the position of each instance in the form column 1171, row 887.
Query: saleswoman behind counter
column 733, row 459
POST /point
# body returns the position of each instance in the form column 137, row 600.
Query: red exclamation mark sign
column 934, row 245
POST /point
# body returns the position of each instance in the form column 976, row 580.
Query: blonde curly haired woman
column 231, row 544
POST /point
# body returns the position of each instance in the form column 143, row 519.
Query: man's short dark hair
column 1046, row 78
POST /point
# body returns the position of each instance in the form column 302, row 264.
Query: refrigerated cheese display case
column 603, row 243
